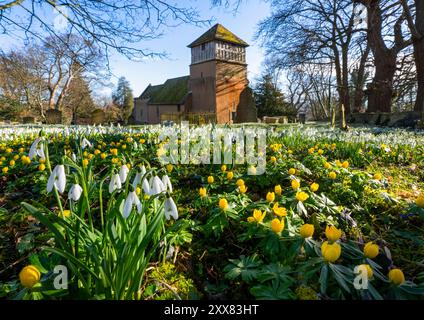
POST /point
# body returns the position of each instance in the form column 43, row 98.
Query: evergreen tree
column 123, row 98
column 269, row 98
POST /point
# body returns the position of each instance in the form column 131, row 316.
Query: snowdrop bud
column 115, row 183
column 123, row 173
column 75, row 192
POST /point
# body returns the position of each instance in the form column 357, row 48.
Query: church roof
column 173, row 91
column 218, row 32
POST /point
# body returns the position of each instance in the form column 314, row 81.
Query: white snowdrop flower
column 75, row 192
column 131, row 200
column 74, row 157
column 115, row 183
column 156, row 186
column 57, row 179
column 85, row 143
column 123, row 173
column 167, row 183
column 170, row 209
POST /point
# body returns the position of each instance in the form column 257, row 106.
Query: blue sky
column 175, row 40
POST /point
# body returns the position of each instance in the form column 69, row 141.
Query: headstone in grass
column 53, row 116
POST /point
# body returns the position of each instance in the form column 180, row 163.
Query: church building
column 217, row 84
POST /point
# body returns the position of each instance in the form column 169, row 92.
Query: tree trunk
column 360, row 82
column 419, row 55
column 381, row 89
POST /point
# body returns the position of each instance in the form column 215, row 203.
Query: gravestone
column 246, row 109
column 53, row 116
column 28, row 120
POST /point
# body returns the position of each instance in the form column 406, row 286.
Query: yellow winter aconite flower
column 278, row 190
column 338, row 163
column 240, row 182
column 332, row 233
column 210, row 179
column 314, row 187
column 295, row 184
column 250, row 219
column 223, row 204
column 279, row 211
column 420, row 201
column 320, row 151
column 370, row 273
column 327, row 165
column 29, row 276
column 345, row 164
column 331, row 252
column 273, row 159
column 103, row 156
column 66, row 213
column 202, row 192
column 292, row 171
column 85, row 163
column 223, row 168
column 230, row 175
column 396, row 276
column 307, row 230
column 378, row 176
column 332, row 175
column 5, row 169
column 242, row 189
column 41, row 167
column 311, row 150
column 371, row 250
column 277, row 225
column 302, row 196
column 169, row 167
column 270, row 196
column 12, row 163
column 137, row 191
column 258, row 215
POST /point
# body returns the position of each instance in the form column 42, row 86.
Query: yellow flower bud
column 345, row 164
column 242, row 189
column 396, row 276
column 278, row 190
column 223, row 168
column 202, row 192
column 332, row 175
column 42, row 167
column 420, row 201
column 169, row 168
column 314, row 187
column 85, row 163
column 210, row 179
column 378, row 176
column 307, row 230
column 223, row 204
column 331, row 252
column 29, row 276
column 240, row 182
column 230, row 175
column 332, row 233
column 270, row 197
column 371, row 250
column 295, row 184
column 302, row 196
column 277, row 225
column 292, row 171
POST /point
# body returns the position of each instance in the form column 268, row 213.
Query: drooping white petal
column 146, row 187
column 137, row 180
column 167, row 183
column 33, row 149
column 75, row 192
column 143, row 170
column 51, row 181
column 115, row 183
column 74, row 157
column 171, row 209
column 123, row 173
column 40, row 151
column 129, row 201
column 60, row 181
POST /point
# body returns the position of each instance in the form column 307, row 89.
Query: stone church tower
column 218, row 77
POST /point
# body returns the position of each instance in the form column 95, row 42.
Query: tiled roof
column 218, row 32
column 173, row 91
